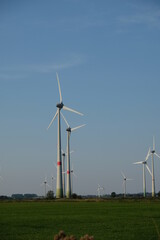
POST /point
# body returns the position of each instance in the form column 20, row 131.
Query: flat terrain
column 117, row 219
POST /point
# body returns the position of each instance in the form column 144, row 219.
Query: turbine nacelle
column 68, row 129
column 60, row 105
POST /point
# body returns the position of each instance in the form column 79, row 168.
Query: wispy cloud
column 21, row 71
column 148, row 16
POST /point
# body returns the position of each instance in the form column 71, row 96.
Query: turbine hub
column 153, row 151
column 68, row 129
column 63, row 154
column 60, row 105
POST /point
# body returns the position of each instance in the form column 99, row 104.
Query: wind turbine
column 69, row 130
column 45, row 186
column 153, row 152
column 124, row 182
column 59, row 189
column 99, row 190
column 144, row 171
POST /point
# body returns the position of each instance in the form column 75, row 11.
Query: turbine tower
column 72, row 174
column 69, row 130
column 144, row 171
column 124, row 182
column 60, row 106
column 63, row 172
column 153, row 152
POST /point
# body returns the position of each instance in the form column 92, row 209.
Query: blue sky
column 107, row 55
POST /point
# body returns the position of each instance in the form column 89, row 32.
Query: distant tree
column 74, row 195
column 17, row 196
column 158, row 194
column 50, row 195
column 113, row 194
column 30, row 195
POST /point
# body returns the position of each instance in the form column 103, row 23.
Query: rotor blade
column 148, row 169
column 59, row 88
column 123, row 174
column 148, row 154
column 65, row 120
column 129, row 179
column 153, row 143
column 75, row 128
column 138, row 162
column 52, row 120
column 157, row 155
column 72, row 110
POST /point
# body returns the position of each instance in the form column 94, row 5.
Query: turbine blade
column 148, row 154
column 123, row 174
column 138, row 162
column 72, row 110
column 75, row 128
column 153, row 143
column 59, row 88
column 129, row 179
column 52, row 120
column 148, row 169
column 65, row 120
column 157, row 155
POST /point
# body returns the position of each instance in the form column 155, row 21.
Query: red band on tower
column 68, row 172
column 58, row 163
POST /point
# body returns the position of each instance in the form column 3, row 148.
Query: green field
column 125, row 219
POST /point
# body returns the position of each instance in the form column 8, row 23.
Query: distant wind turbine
column 69, row 130
column 124, row 182
column 45, row 186
column 59, row 189
column 144, row 171
column 99, row 190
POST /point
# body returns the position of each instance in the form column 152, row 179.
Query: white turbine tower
column 124, row 182
column 153, row 152
column 69, row 130
column 144, row 171
column 72, row 174
column 63, row 172
column 59, row 189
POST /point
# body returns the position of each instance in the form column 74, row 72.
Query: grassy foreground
column 125, row 219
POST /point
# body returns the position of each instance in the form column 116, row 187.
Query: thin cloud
column 21, row 71
column 148, row 18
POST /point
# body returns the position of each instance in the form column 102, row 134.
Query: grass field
column 125, row 219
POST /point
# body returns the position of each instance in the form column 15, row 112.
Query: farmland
column 111, row 219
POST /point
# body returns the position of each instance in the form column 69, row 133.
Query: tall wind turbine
column 124, row 182
column 153, row 152
column 69, row 130
column 144, row 171
column 59, row 189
